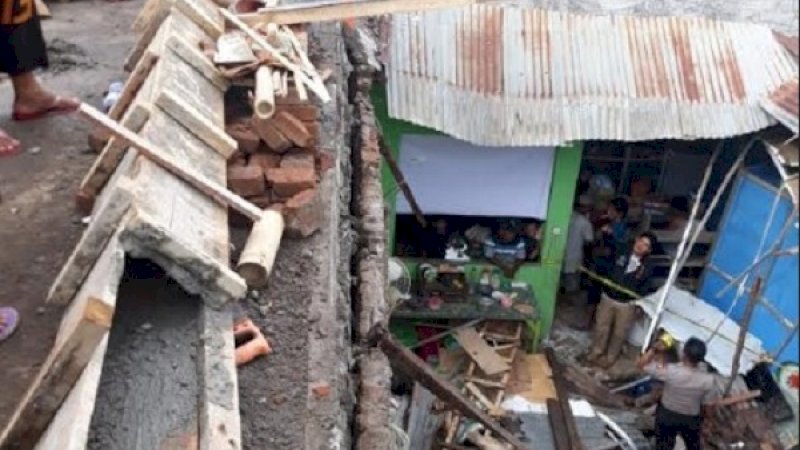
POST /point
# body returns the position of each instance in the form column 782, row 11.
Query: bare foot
column 8, row 145
column 40, row 103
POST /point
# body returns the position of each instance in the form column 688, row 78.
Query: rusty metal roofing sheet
column 783, row 104
column 515, row 75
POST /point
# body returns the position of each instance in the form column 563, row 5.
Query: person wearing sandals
column 9, row 318
column 22, row 50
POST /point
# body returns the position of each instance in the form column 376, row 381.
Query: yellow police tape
column 609, row 283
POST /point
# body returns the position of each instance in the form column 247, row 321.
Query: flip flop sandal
column 59, row 106
column 13, row 149
column 9, row 324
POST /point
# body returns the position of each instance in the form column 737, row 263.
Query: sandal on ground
column 60, row 105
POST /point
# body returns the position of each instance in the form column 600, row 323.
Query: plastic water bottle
column 114, row 91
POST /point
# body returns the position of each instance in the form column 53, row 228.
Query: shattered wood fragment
column 419, row 371
column 477, row 349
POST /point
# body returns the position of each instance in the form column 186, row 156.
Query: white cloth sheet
column 452, row 177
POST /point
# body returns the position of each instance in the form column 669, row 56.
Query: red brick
column 303, row 214
column 288, row 181
column 320, row 389
column 301, row 160
column 84, row 200
column 263, row 201
column 292, row 128
column 265, row 160
column 272, row 137
column 304, row 112
column 237, row 159
column 325, row 161
column 246, row 180
column 245, row 136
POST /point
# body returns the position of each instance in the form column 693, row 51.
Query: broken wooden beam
column 331, row 10
column 419, row 371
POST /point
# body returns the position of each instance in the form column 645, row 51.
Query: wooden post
column 755, row 292
column 557, row 425
column 264, row 100
column 419, row 371
column 401, row 181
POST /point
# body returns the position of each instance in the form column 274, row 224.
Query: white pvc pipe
column 673, row 270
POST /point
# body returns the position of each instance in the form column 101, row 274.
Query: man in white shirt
column 579, row 235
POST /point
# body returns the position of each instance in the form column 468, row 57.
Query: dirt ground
column 88, row 41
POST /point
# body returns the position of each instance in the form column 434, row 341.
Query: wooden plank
column 69, row 429
column 164, row 161
column 103, row 225
column 59, row 373
column 557, row 425
column 477, row 349
column 145, row 40
column 148, row 13
column 194, row 57
column 112, row 154
column 334, row 10
column 562, row 395
column 186, row 114
column 132, row 85
column 482, row 399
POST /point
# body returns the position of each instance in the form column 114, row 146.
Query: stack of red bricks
column 279, row 165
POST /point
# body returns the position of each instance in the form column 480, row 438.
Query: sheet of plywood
column 531, row 378
column 476, row 348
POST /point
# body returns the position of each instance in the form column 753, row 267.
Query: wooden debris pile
column 740, row 420
column 491, row 349
column 278, row 164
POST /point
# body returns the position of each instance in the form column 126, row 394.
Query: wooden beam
column 557, row 424
column 59, row 373
column 328, row 10
column 187, row 115
column 419, row 371
column 400, row 179
column 108, row 160
column 563, row 399
column 102, row 227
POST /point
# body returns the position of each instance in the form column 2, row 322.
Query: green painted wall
column 543, row 276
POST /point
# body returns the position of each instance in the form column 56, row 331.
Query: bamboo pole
column 264, row 98
column 401, row 180
column 743, row 327
column 674, row 269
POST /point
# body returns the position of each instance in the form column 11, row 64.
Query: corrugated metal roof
column 783, row 104
column 505, row 75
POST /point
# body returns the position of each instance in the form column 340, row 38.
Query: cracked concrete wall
column 371, row 306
